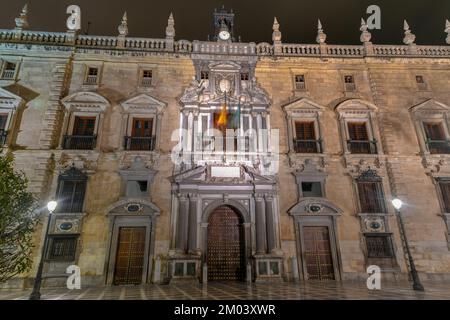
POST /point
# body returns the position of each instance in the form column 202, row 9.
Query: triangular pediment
column 85, row 101
column 143, row 102
column 9, row 100
column 302, row 105
column 356, row 105
column 224, row 66
column 430, row 105
column 315, row 206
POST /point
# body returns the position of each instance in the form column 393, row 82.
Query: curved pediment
column 302, row 105
column 143, row 103
column 315, row 207
column 430, row 105
column 355, row 105
column 135, row 207
column 85, row 101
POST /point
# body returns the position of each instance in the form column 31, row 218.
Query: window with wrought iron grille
column 444, row 187
column 300, row 82
column 379, row 246
column 349, row 83
column 359, row 141
column 146, row 79
column 9, row 70
column 370, row 192
column 71, row 191
column 62, row 248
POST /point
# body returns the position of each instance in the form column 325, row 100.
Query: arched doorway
column 226, row 245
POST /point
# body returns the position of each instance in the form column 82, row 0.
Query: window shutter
column 84, row 126
column 358, row 131
column 305, row 130
column 71, row 196
column 434, row 131
column 445, row 190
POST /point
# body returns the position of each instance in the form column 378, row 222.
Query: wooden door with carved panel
column 130, row 256
column 226, row 249
column 317, row 253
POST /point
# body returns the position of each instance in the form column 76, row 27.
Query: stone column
column 192, row 229
column 261, row 244
column 182, row 224
column 270, row 224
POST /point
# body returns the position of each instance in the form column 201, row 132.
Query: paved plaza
column 242, row 291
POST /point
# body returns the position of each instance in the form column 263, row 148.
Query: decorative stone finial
column 123, row 28
column 276, row 34
column 321, row 36
column 22, row 20
column 365, row 35
column 170, row 29
column 409, row 37
column 447, row 30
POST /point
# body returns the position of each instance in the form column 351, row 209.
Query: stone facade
column 58, row 77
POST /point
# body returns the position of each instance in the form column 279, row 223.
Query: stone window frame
column 349, row 87
column 421, row 86
column 3, row 64
column 304, row 86
column 309, row 173
column 144, row 106
column 141, row 69
column 429, row 111
column 304, row 109
column 357, row 110
column 86, row 84
column 445, row 215
column 84, row 104
column 11, row 105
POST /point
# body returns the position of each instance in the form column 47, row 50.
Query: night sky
column 193, row 18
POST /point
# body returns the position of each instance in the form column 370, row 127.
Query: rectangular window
column 349, row 82
column 436, row 138
column 91, row 76
column 71, row 196
column 83, row 137
column 9, row 70
column 244, row 76
column 359, row 142
column 204, row 75
column 84, row 126
column 421, row 84
column 300, row 83
column 312, row 189
column 62, row 248
column 3, row 131
column 147, row 76
column 305, row 137
column 371, row 197
column 141, row 135
column 379, row 246
column 445, row 191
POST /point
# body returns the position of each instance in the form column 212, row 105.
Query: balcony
column 139, row 143
column 362, row 146
column 438, row 146
column 3, row 136
column 8, row 74
column 146, row 82
column 307, row 146
column 79, row 142
column 91, row 80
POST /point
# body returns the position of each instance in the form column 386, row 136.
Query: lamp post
column 36, row 294
column 417, row 285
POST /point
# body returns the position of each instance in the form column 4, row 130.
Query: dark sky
column 193, row 18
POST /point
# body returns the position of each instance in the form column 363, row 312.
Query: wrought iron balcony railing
column 79, row 142
column 139, row 143
column 438, row 146
column 307, row 146
column 362, row 146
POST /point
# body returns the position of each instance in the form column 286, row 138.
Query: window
column 3, row 131
column 444, row 186
column 305, row 137
column 300, row 83
column 141, row 135
column 83, row 137
column 9, row 71
column 312, row 189
column 244, row 76
column 421, row 84
column 349, row 83
column 136, row 189
column 92, row 75
column 436, row 138
column 370, row 191
column 204, row 75
column 359, row 142
column 71, row 191
column 62, row 248
column 147, row 76
column 379, row 246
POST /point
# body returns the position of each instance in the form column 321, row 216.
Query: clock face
column 224, row 35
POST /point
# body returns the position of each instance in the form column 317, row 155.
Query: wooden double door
column 226, row 245
column 318, row 253
column 130, row 256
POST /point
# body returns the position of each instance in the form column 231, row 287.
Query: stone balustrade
column 206, row 47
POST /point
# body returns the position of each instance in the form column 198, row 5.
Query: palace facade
column 175, row 160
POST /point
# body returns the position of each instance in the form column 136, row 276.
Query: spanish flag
column 222, row 121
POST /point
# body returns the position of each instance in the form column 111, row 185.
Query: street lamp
column 36, row 294
column 397, row 203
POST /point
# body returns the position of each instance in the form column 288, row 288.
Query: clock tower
column 223, row 25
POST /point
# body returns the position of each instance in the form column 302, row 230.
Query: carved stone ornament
column 133, row 207
column 374, row 224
